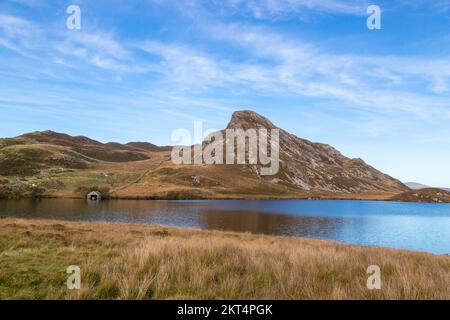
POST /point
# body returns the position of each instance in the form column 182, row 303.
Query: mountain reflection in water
column 416, row 226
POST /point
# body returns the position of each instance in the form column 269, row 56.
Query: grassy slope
column 424, row 195
column 127, row 261
column 26, row 160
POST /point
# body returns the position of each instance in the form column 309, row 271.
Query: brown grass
column 124, row 261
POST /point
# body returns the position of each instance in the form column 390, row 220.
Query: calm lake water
column 416, row 226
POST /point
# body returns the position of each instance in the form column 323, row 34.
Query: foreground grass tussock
column 123, row 261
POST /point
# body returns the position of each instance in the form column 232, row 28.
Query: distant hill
column 416, row 185
column 148, row 146
column 111, row 151
column 28, row 154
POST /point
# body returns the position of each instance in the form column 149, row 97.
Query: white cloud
column 17, row 34
column 96, row 48
column 269, row 63
column 98, row 42
column 269, row 9
column 277, row 65
column 12, row 26
column 308, row 70
column 30, row 3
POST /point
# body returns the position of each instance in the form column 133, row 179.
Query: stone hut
column 94, row 196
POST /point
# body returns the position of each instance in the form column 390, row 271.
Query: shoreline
column 194, row 229
column 262, row 198
column 133, row 261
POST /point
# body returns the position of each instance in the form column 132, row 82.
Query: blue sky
column 137, row 70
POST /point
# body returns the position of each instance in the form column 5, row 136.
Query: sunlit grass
column 123, row 261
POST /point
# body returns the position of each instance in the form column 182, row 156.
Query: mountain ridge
column 141, row 169
column 317, row 166
column 109, row 151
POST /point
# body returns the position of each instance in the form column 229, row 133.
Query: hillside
column 20, row 157
column 113, row 152
column 67, row 166
column 318, row 167
column 424, row 195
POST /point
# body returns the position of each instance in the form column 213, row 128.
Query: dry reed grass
column 124, row 261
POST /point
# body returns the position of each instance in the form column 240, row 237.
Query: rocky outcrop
column 318, row 167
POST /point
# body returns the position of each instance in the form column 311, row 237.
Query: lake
column 415, row 226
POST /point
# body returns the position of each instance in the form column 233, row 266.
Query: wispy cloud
column 279, row 65
column 100, row 49
column 29, row 3
column 271, row 63
column 269, row 9
column 56, row 47
column 18, row 34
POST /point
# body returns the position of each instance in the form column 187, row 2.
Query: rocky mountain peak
column 316, row 166
column 248, row 119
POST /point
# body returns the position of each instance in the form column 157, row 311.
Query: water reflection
column 402, row 225
column 268, row 223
